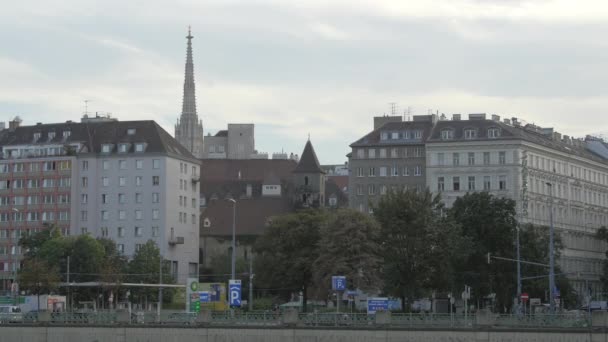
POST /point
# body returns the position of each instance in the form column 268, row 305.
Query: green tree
column 419, row 246
column 602, row 235
column 349, row 246
column 37, row 276
column 285, row 253
column 145, row 268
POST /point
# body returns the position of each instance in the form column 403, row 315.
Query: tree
column 420, row 247
column 285, row 253
column 38, row 276
column 602, row 235
column 349, row 247
column 145, row 267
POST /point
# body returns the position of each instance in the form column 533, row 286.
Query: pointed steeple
column 308, row 161
column 189, row 100
column 189, row 129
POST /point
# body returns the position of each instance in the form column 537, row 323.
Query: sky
column 322, row 68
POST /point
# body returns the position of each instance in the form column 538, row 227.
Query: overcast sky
column 323, row 67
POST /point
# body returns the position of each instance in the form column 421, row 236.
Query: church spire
column 189, row 101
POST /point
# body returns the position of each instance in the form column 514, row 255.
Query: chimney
column 495, row 117
column 515, row 122
column 479, row 116
column 14, row 124
column 455, row 117
column 507, row 121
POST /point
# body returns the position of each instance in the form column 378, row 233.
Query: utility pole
column 160, row 289
column 551, row 258
column 69, row 299
column 523, row 213
column 251, row 283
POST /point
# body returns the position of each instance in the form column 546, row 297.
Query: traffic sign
column 338, row 283
column 524, row 297
column 235, row 292
column 376, row 304
column 204, row 297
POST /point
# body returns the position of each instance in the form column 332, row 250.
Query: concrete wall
column 173, row 334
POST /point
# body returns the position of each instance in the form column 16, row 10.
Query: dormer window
column 384, row 136
column 418, row 134
column 66, row 134
column 131, row 131
column 51, row 135
column 36, row 136
column 493, row 133
column 447, row 134
column 123, row 148
column 106, row 148
column 206, row 222
column 139, row 147
column 395, row 135
column 470, row 133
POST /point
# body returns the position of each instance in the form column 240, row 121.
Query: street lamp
column 233, row 257
column 551, row 258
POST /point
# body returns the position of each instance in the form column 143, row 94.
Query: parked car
column 10, row 314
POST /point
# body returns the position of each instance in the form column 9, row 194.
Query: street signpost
column 376, row 304
column 235, row 292
column 338, row 283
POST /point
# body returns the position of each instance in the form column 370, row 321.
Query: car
column 10, row 314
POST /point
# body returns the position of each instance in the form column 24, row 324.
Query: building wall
column 215, row 147
column 241, row 144
column 400, row 162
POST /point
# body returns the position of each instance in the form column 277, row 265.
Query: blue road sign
column 235, row 292
column 377, row 304
column 338, row 283
column 204, row 297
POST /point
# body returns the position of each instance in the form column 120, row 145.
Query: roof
column 92, row 135
column 308, row 161
column 373, row 138
column 332, row 188
column 251, row 215
column 220, row 170
column 222, row 133
column 341, row 181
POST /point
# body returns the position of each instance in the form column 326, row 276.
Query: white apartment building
column 488, row 155
column 128, row 181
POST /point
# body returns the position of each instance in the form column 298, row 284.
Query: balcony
column 178, row 240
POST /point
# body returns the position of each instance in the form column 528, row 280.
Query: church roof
column 308, row 161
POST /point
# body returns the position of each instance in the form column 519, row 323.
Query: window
column 122, row 215
column 122, row 181
column 138, row 197
column 194, row 203
column 456, row 159
column 502, row 157
column 155, row 197
column 493, row 133
column 417, row 134
column 139, row 147
column 121, row 248
column 106, row 148
column 371, row 153
column 382, row 192
column 471, row 158
column 395, row 171
column 156, row 163
column 456, row 183
column 440, row 159
column 394, row 153
column 502, row 182
column 382, row 153
column 447, row 134
column 471, row 182
column 139, row 164
column 470, row 133
column 487, row 185
column 155, row 231
column 360, row 153
column 193, row 219
column 104, row 215
column 131, row 131
column 123, row 148
column 406, row 171
column 440, row 184
column 155, row 180
column 383, row 171
column 155, row 214
column 105, row 181
column 85, row 182
column 384, row 136
column 359, row 172
column 51, row 136
column 371, row 189
column 105, row 164
column 122, row 164
column 138, row 180
column 359, row 189
column 138, row 231
column 122, row 198
column 419, row 152
column 486, row 158
column 104, row 198
column 372, row 172
column 104, row 232
column 121, row 232
column 418, row 170
column 138, row 215
column 84, row 231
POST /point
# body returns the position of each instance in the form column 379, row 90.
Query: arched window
column 305, row 180
column 493, row 133
column 447, row 134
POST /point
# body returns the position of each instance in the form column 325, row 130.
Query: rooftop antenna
column 393, row 108
column 86, row 107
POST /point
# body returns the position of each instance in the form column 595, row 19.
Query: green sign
column 194, row 286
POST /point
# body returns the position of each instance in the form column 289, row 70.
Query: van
column 10, row 314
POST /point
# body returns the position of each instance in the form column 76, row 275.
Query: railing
column 304, row 320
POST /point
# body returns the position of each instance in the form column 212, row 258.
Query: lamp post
column 233, row 257
column 551, row 258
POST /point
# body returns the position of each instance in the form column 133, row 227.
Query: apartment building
column 534, row 166
column 129, row 181
column 392, row 156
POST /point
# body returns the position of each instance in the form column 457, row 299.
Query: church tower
column 309, row 180
column 189, row 129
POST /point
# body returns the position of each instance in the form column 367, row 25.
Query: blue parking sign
column 338, row 283
column 235, row 292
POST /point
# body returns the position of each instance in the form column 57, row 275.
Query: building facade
column 189, row 129
column 237, row 142
column 536, row 167
column 128, row 181
column 392, row 156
